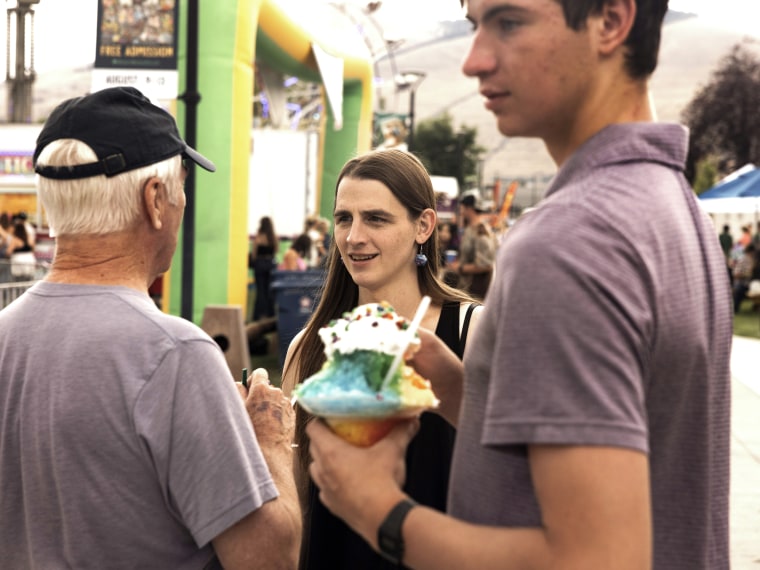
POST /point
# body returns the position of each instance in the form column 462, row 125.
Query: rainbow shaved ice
column 348, row 390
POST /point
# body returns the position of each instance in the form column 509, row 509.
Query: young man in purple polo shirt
column 593, row 417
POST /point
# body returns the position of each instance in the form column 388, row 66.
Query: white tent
column 737, row 193
column 731, row 205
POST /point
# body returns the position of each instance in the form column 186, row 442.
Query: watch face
column 389, row 537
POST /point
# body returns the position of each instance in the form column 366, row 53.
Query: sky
column 62, row 41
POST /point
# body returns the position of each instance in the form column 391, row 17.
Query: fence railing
column 11, row 288
column 11, row 291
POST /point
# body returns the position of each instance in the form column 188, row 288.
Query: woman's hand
column 439, row 364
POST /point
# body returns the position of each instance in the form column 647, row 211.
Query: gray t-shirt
column 124, row 441
column 608, row 323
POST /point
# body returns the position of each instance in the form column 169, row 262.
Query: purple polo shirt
column 608, row 323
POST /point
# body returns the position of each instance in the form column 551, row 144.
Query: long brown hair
column 405, row 176
column 266, row 227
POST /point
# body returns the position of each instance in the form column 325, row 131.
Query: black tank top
column 263, row 250
column 328, row 543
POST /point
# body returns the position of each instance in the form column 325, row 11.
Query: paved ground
column 745, row 455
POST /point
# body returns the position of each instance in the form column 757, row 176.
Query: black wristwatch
column 389, row 537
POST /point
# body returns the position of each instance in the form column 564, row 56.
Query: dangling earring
column 420, row 260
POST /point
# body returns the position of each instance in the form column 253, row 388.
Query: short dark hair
column 302, row 244
column 468, row 201
column 643, row 42
column 472, row 201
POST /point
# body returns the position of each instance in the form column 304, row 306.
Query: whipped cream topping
column 373, row 326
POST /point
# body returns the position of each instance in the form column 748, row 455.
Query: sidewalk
column 745, row 454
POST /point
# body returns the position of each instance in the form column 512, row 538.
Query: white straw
column 421, row 310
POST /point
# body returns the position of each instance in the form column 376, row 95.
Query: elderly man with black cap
column 126, row 443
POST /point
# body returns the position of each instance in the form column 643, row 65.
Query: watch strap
column 389, row 538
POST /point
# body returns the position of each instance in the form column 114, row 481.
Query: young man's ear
column 154, row 200
column 617, row 19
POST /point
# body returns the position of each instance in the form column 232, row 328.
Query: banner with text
column 137, row 46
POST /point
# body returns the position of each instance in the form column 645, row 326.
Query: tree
column 445, row 152
column 705, row 174
column 724, row 116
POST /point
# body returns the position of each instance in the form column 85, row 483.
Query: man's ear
column 426, row 224
column 617, row 19
column 154, row 199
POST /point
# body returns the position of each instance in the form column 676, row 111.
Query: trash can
column 296, row 293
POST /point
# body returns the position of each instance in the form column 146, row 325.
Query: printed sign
column 137, row 46
column 16, row 163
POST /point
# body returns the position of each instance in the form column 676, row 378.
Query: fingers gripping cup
column 358, row 392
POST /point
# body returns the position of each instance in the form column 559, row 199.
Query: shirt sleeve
column 570, row 352
column 200, row 441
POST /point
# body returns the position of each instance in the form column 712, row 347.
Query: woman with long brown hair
column 384, row 248
column 262, row 259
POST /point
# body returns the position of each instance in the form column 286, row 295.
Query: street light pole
column 192, row 98
column 20, row 101
column 410, row 137
column 410, row 80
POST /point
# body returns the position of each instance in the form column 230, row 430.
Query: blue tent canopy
column 744, row 186
column 738, row 194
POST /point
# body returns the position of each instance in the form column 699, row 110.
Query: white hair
column 98, row 204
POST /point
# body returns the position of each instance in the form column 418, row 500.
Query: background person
column 316, row 230
column 294, row 258
column 726, row 241
column 31, row 232
column 125, row 441
column 384, row 218
column 593, row 427
column 20, row 252
column 477, row 248
column 745, row 238
column 323, row 228
column 448, row 238
column 726, row 244
column 5, row 241
column 262, row 260
column 743, row 274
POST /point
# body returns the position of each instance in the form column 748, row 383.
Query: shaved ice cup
column 363, row 400
column 362, row 429
column 362, row 432
column 363, row 418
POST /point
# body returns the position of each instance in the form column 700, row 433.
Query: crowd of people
column 582, row 367
column 743, row 263
column 308, row 250
column 467, row 249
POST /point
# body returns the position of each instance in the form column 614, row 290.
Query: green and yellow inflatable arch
column 232, row 35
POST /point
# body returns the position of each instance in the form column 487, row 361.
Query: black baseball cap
column 122, row 126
